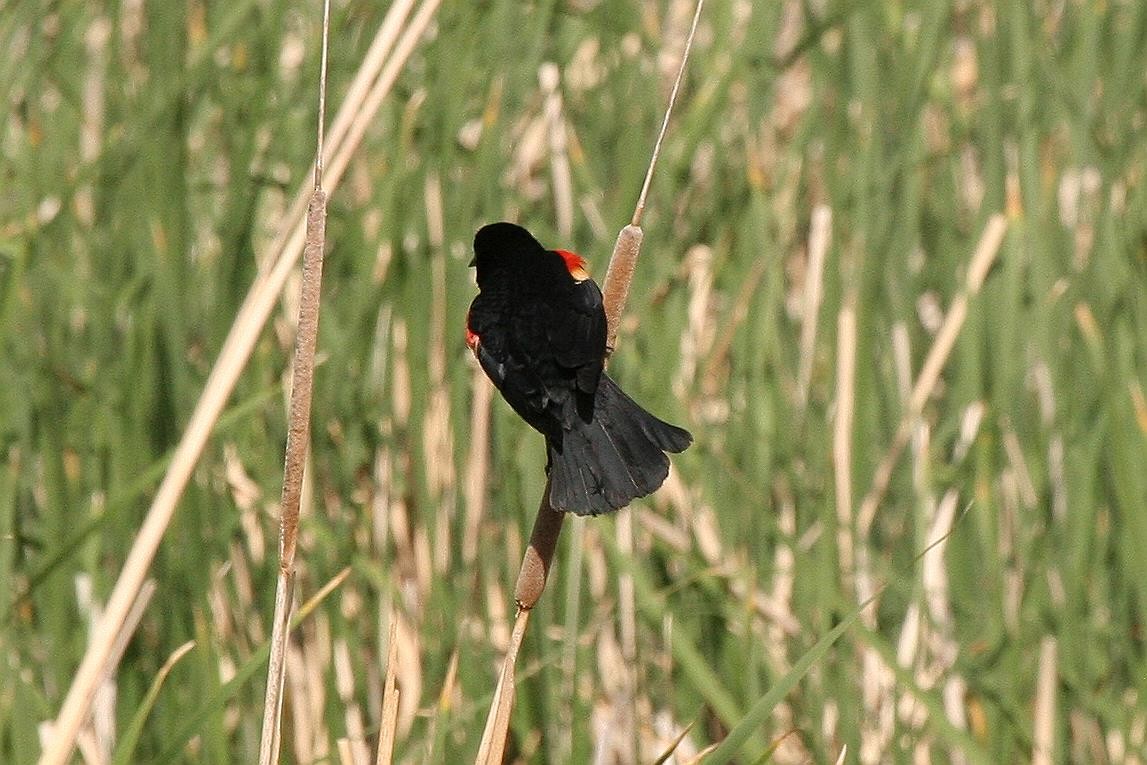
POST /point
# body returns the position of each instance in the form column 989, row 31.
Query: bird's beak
column 473, row 261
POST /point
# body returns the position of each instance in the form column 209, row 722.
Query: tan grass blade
column 820, row 235
column 627, row 634
column 549, row 77
column 700, row 758
column 1047, row 679
column 842, row 430
column 131, row 736
column 389, row 717
column 346, row 751
column 676, row 742
column 445, row 703
column 477, row 465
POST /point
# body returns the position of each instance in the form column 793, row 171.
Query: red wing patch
column 575, row 263
column 471, row 336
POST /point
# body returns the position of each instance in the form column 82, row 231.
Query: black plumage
column 538, row 330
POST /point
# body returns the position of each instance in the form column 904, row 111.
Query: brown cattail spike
column 618, row 278
column 539, row 554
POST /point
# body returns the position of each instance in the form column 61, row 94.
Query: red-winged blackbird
column 538, row 328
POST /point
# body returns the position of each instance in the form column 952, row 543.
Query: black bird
column 538, row 330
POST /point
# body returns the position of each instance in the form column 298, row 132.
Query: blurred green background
column 149, row 150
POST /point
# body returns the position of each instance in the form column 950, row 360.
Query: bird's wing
column 575, row 330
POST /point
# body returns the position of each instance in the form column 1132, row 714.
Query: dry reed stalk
column 353, row 722
column 911, row 648
column 97, row 738
column 784, row 578
column 820, row 233
column 1047, row 677
column 548, row 523
column 477, row 465
column 373, row 99
column 89, row 743
column 376, row 58
column 298, row 427
column 492, row 749
column 719, row 355
column 233, row 356
column 700, row 756
column 445, row 703
column 408, row 672
column 627, row 635
column 437, row 433
column 550, row 78
column 842, row 447
column 676, row 742
column 878, row 681
column 389, row 716
column 94, row 108
column 697, row 339
column 946, row 647
column 927, row 644
column 842, row 430
column 560, row 750
column 305, row 708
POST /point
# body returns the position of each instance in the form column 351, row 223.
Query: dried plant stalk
column 298, row 429
column 389, row 721
column 548, row 523
column 820, row 232
column 233, row 356
column 1047, row 677
column 298, row 440
column 842, row 431
column 477, row 465
column 493, row 746
column 374, row 62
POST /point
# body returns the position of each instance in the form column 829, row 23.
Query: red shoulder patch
column 575, row 264
column 471, row 336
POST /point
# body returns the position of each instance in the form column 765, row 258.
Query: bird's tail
column 615, row 457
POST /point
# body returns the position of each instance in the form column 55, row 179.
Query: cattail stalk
column 298, row 429
column 548, row 523
column 233, row 357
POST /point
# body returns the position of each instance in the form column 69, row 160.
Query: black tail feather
column 615, row 457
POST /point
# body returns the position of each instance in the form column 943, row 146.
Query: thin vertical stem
column 639, row 211
column 298, row 430
column 548, row 523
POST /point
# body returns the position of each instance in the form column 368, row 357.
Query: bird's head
column 501, row 244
